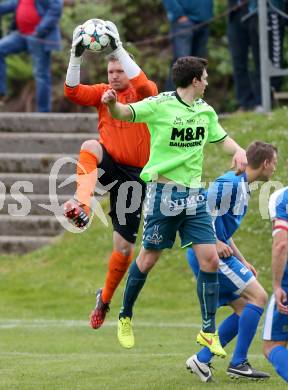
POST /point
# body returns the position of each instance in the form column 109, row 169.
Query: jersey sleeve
column 227, row 191
column 219, row 196
column 216, row 133
column 144, row 111
column 85, row 95
column 278, row 210
column 144, row 87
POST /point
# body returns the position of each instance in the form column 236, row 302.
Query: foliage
column 137, row 22
column 144, row 30
column 18, row 68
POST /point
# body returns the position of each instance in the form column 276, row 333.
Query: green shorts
column 169, row 208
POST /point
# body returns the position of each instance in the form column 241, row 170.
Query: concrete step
column 24, row 244
column 31, row 204
column 35, row 183
column 36, row 162
column 31, row 144
column 43, row 142
column 30, row 225
column 48, row 122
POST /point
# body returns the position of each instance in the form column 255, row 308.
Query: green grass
column 56, row 285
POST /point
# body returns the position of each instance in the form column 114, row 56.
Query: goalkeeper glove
column 77, row 49
column 113, row 33
column 73, row 71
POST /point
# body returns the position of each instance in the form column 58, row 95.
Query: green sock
column 208, row 293
column 135, row 282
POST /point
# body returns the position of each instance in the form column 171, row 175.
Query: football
column 94, row 37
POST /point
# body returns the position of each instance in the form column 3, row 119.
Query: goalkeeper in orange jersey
column 121, row 152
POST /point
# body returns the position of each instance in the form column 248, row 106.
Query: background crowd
column 224, row 31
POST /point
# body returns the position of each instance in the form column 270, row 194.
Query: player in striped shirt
column 275, row 333
column 228, row 199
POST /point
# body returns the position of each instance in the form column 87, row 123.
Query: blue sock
column 248, row 323
column 135, row 282
column 228, row 329
column 278, row 357
column 208, row 293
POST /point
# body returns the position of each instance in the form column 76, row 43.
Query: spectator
column 35, row 30
column 243, row 34
column 187, row 39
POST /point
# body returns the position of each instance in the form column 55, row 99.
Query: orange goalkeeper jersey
column 127, row 143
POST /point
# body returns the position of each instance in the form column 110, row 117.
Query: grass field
column 46, row 297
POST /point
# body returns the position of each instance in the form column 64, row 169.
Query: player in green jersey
column 180, row 124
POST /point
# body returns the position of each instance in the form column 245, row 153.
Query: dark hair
column 186, row 69
column 112, row 58
column 258, row 152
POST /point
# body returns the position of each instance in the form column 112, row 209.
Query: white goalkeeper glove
column 113, row 33
column 77, row 49
column 73, row 71
column 129, row 65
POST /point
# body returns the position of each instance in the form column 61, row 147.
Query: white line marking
column 42, row 323
column 105, row 354
column 77, row 355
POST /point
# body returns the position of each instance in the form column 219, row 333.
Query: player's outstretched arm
column 77, row 50
column 239, row 160
column 139, row 80
column 117, row 110
column 129, row 65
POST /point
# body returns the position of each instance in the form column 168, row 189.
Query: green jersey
column 178, row 135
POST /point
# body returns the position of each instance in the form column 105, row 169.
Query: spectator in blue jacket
column 188, row 39
column 35, row 29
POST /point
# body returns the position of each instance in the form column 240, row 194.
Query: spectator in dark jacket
column 187, row 39
column 243, row 34
column 35, row 30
